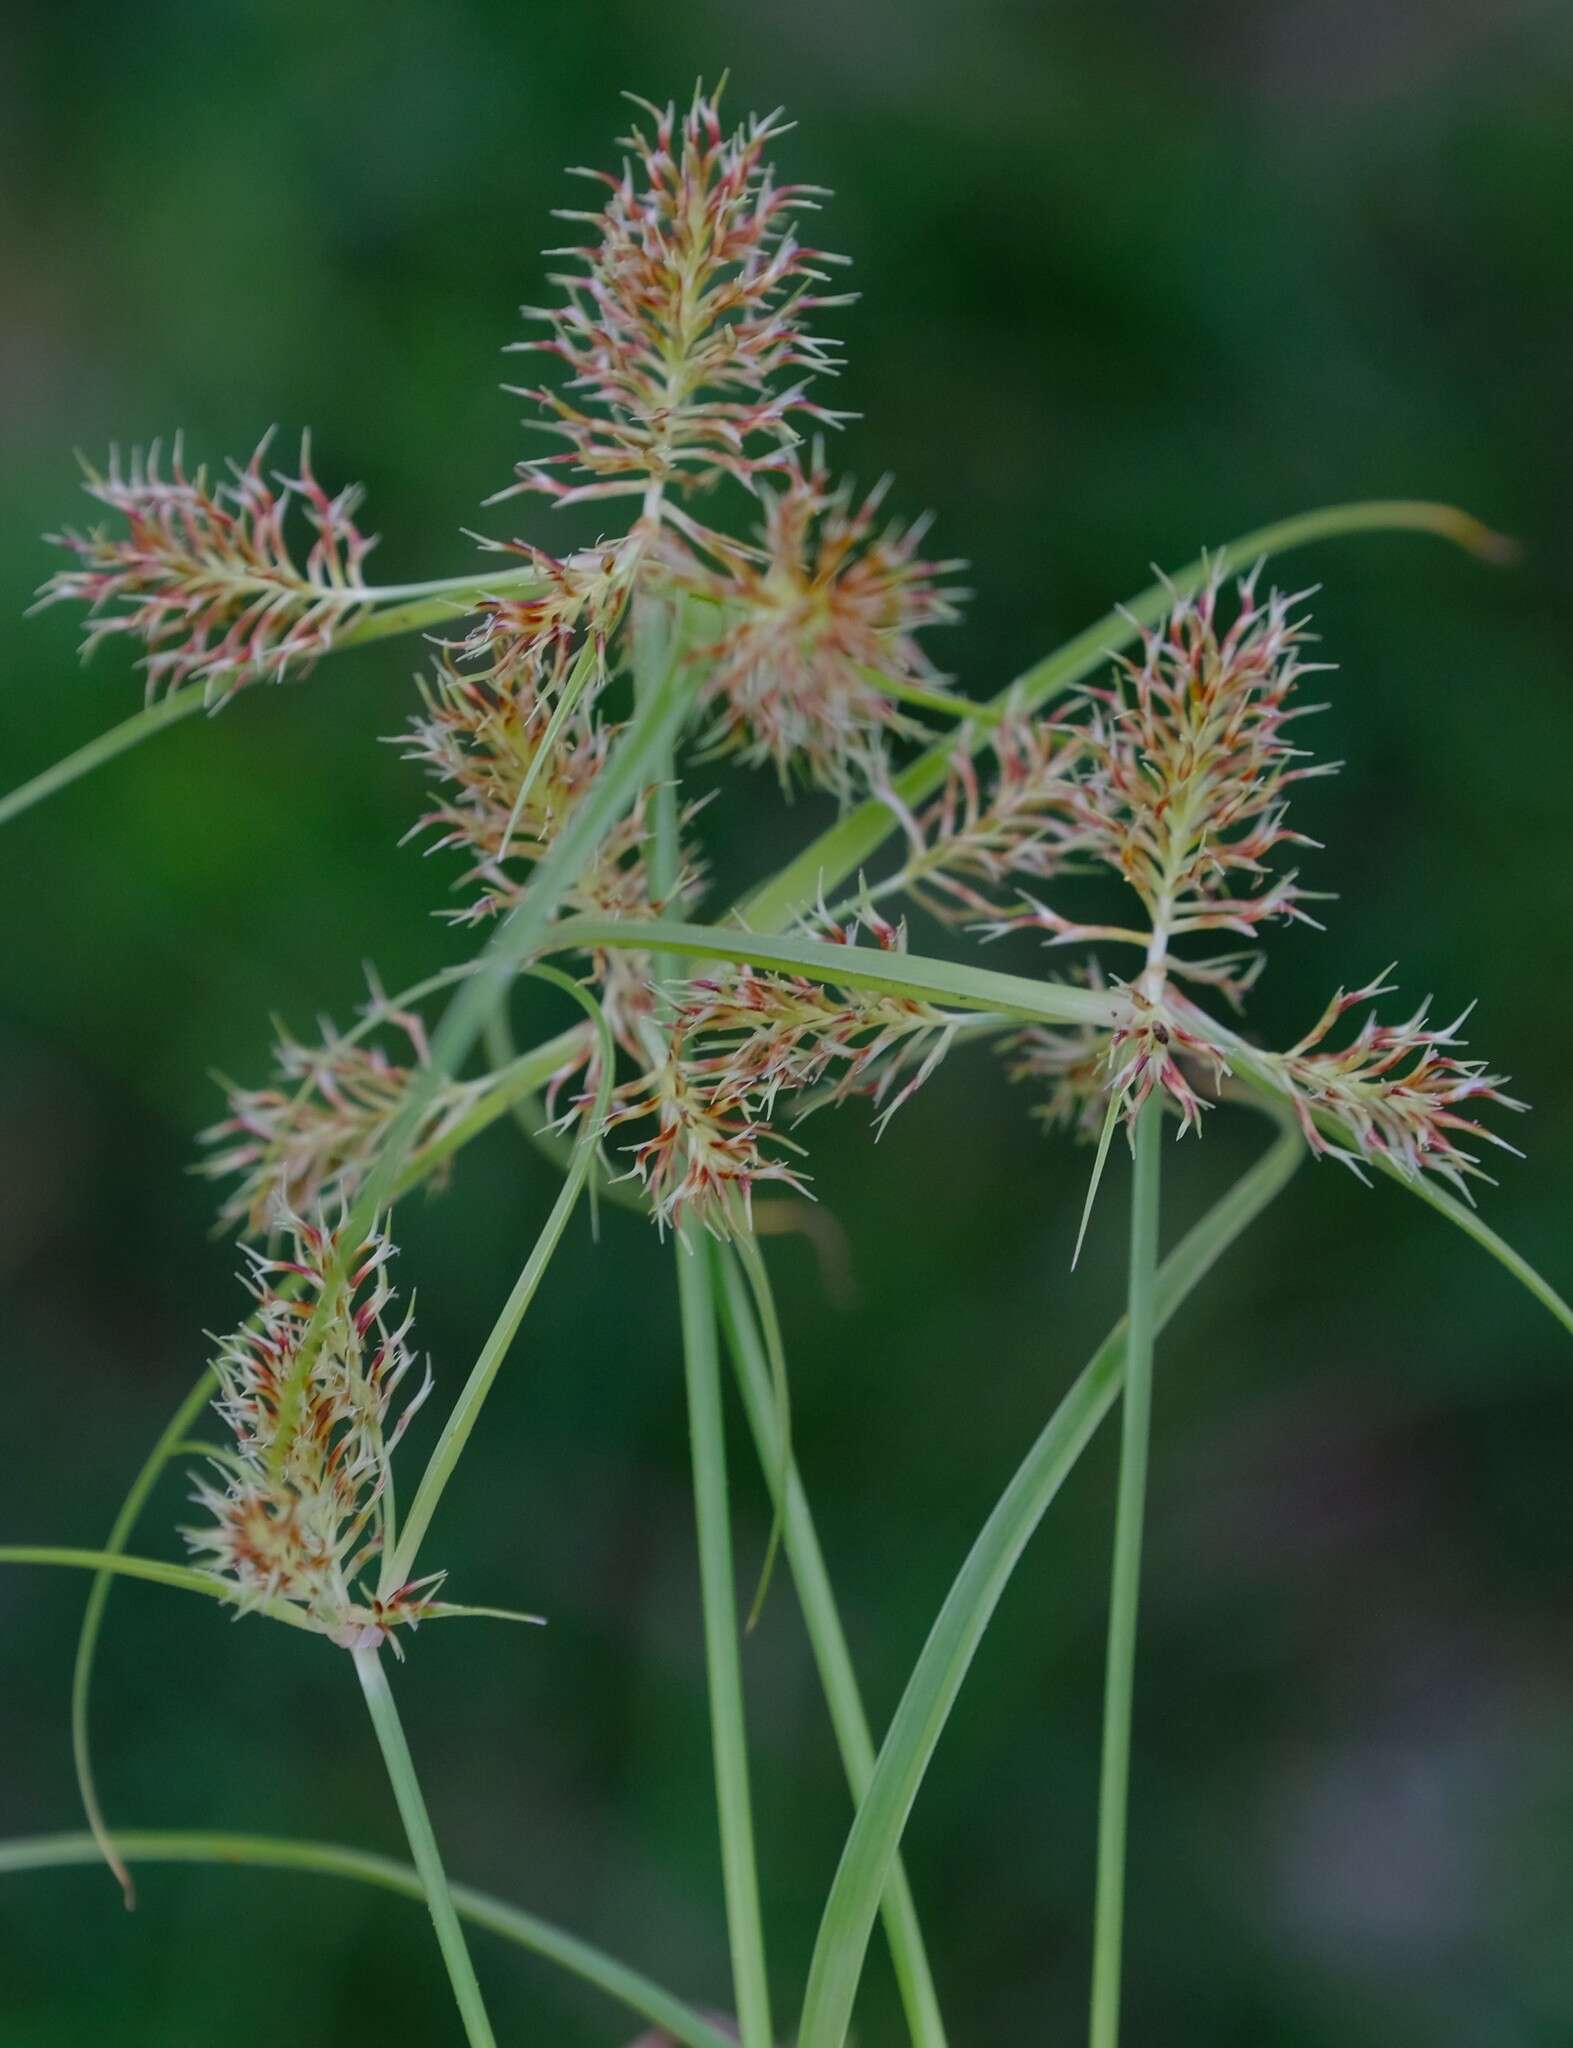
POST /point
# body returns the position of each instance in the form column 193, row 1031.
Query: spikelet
column 683, row 332
column 204, row 576
column 307, row 1533
column 308, row 1139
column 971, row 849
column 1397, row 1093
column 824, row 612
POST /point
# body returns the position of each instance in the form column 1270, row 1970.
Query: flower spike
column 685, row 331
column 308, row 1533
column 205, row 577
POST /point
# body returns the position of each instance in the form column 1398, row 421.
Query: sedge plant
column 743, row 608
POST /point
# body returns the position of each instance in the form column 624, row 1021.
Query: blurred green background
column 1135, row 278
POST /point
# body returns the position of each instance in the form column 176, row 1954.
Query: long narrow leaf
column 827, row 1639
column 947, row 1656
column 630, row 1988
column 184, row 1578
column 899, row 974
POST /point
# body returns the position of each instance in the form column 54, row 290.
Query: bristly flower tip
column 1396, row 1094
column 205, row 577
column 308, row 1533
column 685, row 330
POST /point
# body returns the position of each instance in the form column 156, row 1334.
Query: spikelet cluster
column 986, row 835
column 307, row 1532
column 822, row 616
column 1398, row 1094
column 683, row 329
column 308, row 1139
column 205, row 576
column 743, row 1037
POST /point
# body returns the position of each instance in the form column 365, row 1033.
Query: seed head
column 205, row 577
column 1189, row 761
column 683, row 331
column 308, row 1140
column 983, row 835
column 308, row 1533
column 708, row 1151
column 826, row 610
column 1395, row 1093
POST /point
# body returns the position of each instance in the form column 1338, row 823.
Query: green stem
column 728, row 1737
column 937, row 1678
column 630, row 1988
column 1125, row 1588
column 414, row 607
column 659, row 634
column 410, row 607
column 827, row 1639
column 423, row 1847
column 106, row 746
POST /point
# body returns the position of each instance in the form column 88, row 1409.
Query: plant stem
column 723, row 1669
column 959, row 1627
column 1125, row 1587
column 837, row 1678
column 423, row 1847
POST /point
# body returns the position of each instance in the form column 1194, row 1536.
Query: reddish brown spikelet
column 1396, row 1093
column 683, row 332
column 826, row 609
column 986, row 833
column 205, row 577
column 306, row 1532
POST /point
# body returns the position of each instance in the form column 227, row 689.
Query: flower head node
column 307, row 1531
column 683, row 331
column 1396, row 1093
column 205, row 577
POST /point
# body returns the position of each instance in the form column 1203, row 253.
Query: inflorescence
column 684, row 367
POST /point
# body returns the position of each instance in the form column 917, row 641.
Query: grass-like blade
column 925, row 1706
column 629, row 1988
column 827, row 1639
